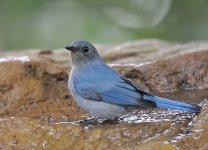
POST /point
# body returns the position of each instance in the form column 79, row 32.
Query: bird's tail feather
column 171, row 104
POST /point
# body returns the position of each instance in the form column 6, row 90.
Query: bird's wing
column 119, row 91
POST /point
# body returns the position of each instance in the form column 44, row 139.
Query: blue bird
column 104, row 93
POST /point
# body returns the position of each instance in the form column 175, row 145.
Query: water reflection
column 21, row 58
column 156, row 115
column 143, row 116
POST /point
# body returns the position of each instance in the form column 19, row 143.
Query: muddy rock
column 38, row 112
column 188, row 71
column 138, row 51
column 35, row 88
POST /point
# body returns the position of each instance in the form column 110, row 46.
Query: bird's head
column 83, row 52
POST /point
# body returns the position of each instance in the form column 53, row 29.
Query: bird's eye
column 85, row 49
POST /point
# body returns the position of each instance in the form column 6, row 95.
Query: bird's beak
column 70, row 48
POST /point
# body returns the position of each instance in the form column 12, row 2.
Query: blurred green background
column 28, row 24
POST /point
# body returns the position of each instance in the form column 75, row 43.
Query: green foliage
column 52, row 24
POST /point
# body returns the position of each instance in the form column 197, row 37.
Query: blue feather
column 171, row 104
column 120, row 96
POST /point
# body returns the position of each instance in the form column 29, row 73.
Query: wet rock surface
column 37, row 111
column 188, row 71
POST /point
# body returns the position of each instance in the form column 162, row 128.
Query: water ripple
column 155, row 116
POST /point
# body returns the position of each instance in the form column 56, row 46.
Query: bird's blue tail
column 171, row 104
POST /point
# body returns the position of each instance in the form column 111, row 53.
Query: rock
column 35, row 88
column 138, row 51
column 188, row 71
column 38, row 112
column 26, row 133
